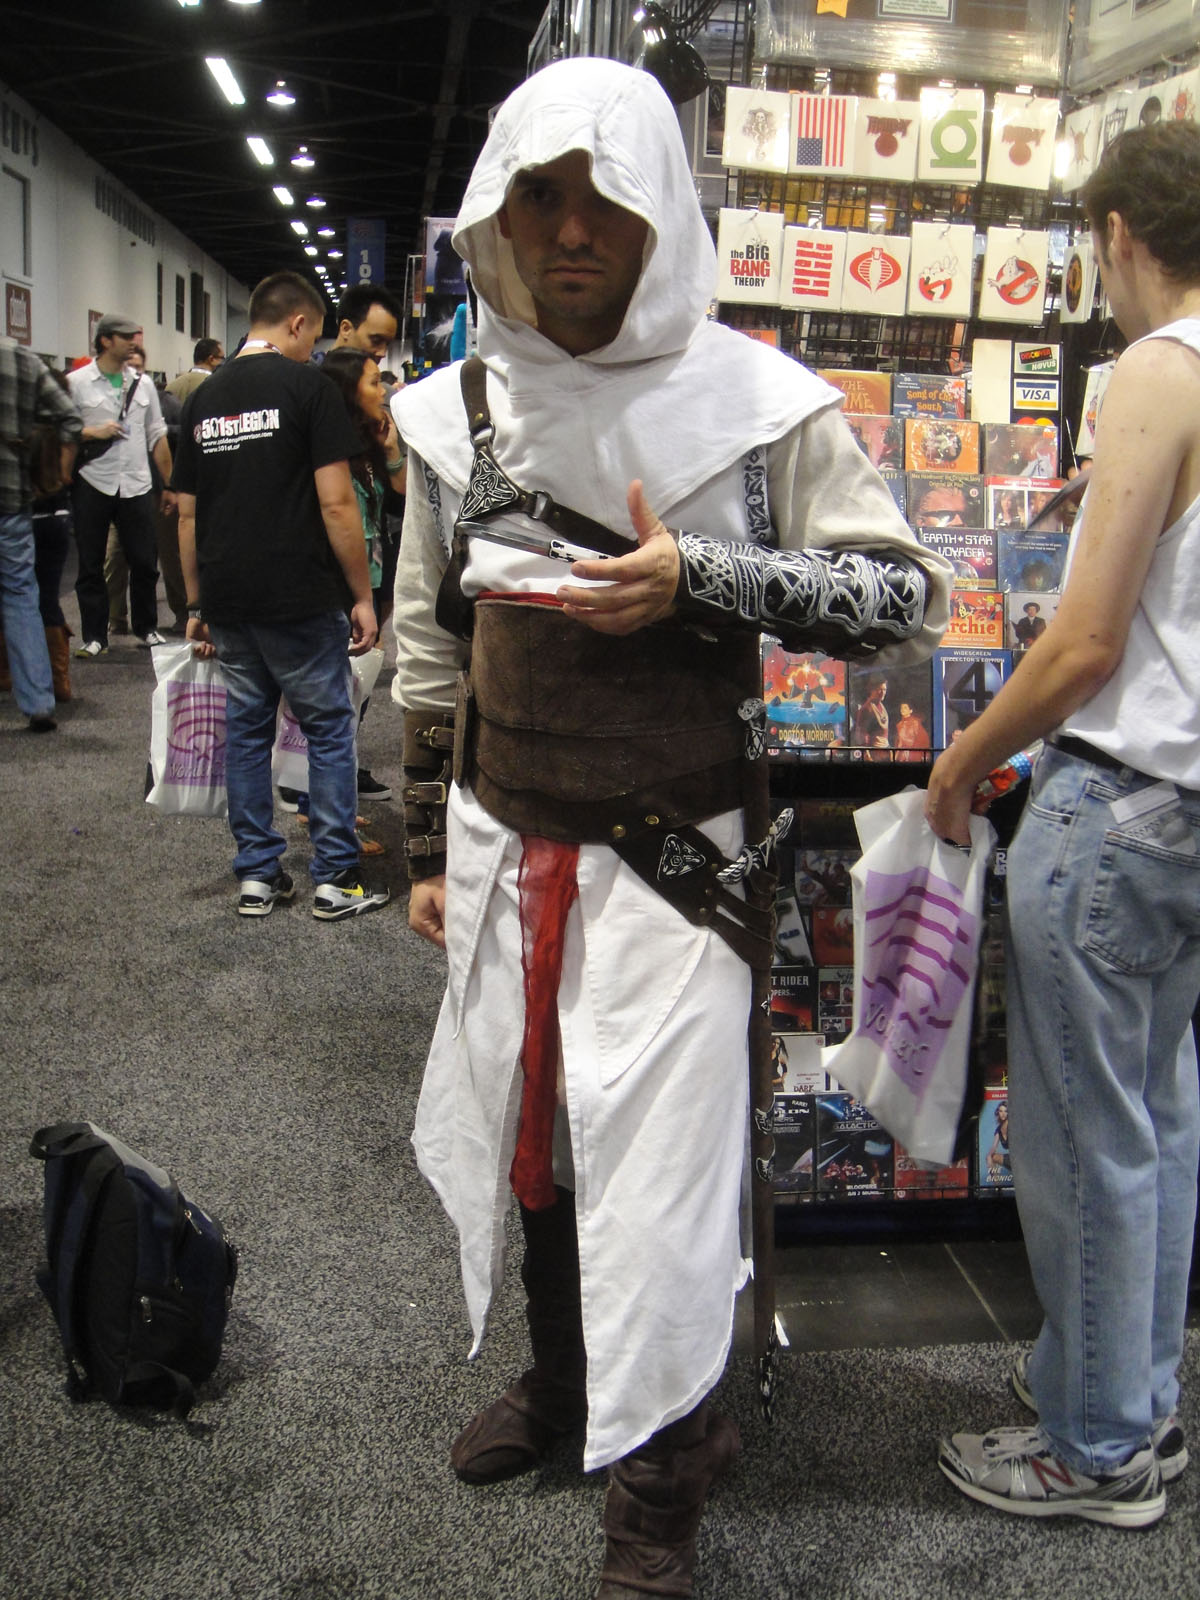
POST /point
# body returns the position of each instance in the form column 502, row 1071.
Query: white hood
column 674, row 398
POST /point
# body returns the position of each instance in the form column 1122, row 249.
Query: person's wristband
column 195, row 613
column 391, row 467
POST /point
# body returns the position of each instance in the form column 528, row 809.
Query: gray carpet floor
column 273, row 1066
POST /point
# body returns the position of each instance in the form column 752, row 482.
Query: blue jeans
column 1103, row 976
column 309, row 663
column 24, row 635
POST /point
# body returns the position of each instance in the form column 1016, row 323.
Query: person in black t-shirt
column 273, row 554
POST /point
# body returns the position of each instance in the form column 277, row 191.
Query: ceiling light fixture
column 283, row 194
column 189, row 2
column 260, row 150
column 303, row 159
column 310, row 249
column 326, row 233
column 335, row 255
column 315, row 201
column 226, row 82
column 299, row 227
column 281, row 95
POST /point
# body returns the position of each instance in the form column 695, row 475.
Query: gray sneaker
column 1169, row 1444
column 1017, row 1470
column 258, row 895
column 345, row 896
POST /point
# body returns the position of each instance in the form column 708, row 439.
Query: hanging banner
column 886, row 134
column 814, row 261
column 822, row 133
column 1014, row 275
column 940, row 269
column 951, row 140
column 1021, row 154
column 366, row 250
column 758, row 129
column 749, row 256
column 876, row 275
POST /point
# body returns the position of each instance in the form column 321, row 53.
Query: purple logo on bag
column 195, row 734
column 915, row 969
column 290, row 740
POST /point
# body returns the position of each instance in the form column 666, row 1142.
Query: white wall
column 82, row 259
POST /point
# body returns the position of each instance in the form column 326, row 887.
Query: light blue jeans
column 309, row 663
column 24, row 634
column 1103, row 976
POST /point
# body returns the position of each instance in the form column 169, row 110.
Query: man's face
column 215, row 360
column 374, row 334
column 119, row 346
column 942, row 508
column 578, row 253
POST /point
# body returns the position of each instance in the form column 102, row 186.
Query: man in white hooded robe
column 607, row 390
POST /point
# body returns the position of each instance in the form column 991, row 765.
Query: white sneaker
column 149, row 640
column 1017, row 1470
column 1169, row 1444
column 346, row 896
column 90, row 650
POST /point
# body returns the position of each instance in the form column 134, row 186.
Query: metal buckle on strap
column 536, row 503
column 425, row 794
column 425, row 844
column 483, row 430
column 435, row 737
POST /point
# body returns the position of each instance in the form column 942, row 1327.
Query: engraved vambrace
column 428, row 762
column 845, row 602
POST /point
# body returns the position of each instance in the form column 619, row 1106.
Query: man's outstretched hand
column 638, row 588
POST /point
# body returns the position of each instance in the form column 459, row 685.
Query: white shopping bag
column 918, row 916
column 187, row 734
column 289, row 756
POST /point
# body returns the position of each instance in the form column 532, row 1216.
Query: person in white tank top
column 1103, row 893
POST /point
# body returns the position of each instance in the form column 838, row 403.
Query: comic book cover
column 806, row 699
column 995, row 1166
column 1031, row 562
column 867, row 393
column 941, row 444
column 826, row 821
column 970, row 551
column 795, row 1147
column 896, row 706
column 916, row 1181
column 976, row 618
column 835, row 1003
column 1027, row 616
column 823, row 875
column 945, row 500
column 855, row 1155
column 1020, row 450
column 833, row 935
column 928, row 394
column 881, row 439
column 793, row 929
column 793, row 999
column 796, row 1062
column 965, row 682
column 897, row 482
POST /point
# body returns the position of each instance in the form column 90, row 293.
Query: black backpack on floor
column 139, row 1278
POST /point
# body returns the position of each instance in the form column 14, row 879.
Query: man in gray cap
column 122, row 426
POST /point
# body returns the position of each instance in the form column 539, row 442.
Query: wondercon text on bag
column 918, row 919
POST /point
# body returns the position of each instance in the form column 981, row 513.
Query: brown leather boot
column 58, row 642
column 516, row 1431
column 655, row 1498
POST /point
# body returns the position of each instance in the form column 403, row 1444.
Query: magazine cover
column 1031, row 561
column 926, row 394
column 1020, row 450
column 941, row 444
column 835, row 1003
column 793, row 999
column 1028, row 615
column 881, row 439
column 855, row 1156
column 970, row 551
column 897, row 481
column 867, row 392
column 976, row 618
column 806, row 698
column 796, row 1062
column 965, row 682
column 945, row 500
column 795, row 1140
column 833, row 935
column 827, row 821
column 995, row 1164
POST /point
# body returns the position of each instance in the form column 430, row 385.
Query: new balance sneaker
column 289, row 799
column 1016, row 1470
column 147, row 641
column 370, row 788
column 258, row 895
column 90, row 649
column 1169, row 1444
column 345, row 896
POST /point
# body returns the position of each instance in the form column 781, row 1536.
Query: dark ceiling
column 391, row 100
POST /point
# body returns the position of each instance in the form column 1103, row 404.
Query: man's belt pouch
column 139, row 1278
